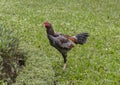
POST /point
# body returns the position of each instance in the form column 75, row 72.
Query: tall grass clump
column 11, row 57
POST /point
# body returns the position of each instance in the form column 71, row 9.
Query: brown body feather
column 73, row 39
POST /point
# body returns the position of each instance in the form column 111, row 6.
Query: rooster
column 64, row 43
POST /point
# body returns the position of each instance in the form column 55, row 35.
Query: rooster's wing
column 61, row 41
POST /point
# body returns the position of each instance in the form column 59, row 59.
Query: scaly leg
column 65, row 60
column 64, row 66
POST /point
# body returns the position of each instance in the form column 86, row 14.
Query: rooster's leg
column 64, row 66
column 65, row 60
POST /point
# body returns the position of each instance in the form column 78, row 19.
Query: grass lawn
column 95, row 63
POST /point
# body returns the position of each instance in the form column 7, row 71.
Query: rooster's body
column 64, row 43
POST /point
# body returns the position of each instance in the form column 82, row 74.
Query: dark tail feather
column 82, row 38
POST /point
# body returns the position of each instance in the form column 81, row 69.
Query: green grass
column 95, row 63
column 38, row 70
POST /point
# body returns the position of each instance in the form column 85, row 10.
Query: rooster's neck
column 50, row 31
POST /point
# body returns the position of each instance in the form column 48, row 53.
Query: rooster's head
column 47, row 25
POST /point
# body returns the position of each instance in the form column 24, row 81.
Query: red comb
column 47, row 24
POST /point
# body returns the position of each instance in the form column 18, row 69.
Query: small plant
column 10, row 55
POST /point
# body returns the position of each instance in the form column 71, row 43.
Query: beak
column 44, row 25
